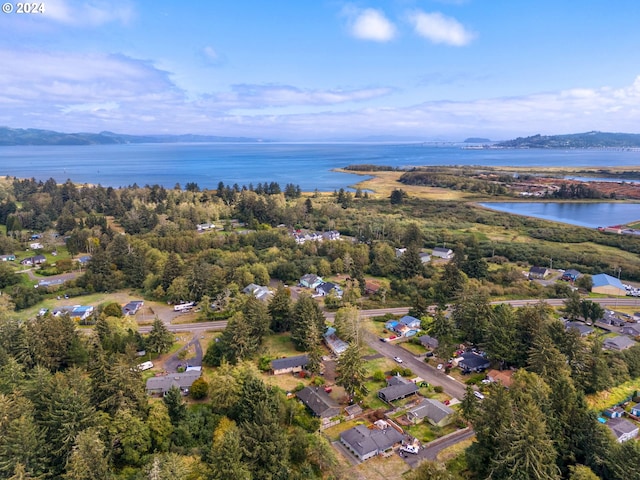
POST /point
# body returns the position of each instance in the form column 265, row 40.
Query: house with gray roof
column 473, row 362
column 618, row 343
column 289, row 364
column 538, row 272
column 319, row 402
column 365, row 442
column 311, row 281
column 429, row 342
column 581, row 327
column 335, row 343
column 442, row 252
column 632, row 329
column 326, row 288
column 397, row 388
column 258, row 291
column 162, row 384
column 435, row 412
column 623, row 429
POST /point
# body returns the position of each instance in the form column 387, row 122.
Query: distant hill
column 31, row 136
column 576, row 140
column 477, row 140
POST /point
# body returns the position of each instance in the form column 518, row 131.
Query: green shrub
column 199, row 389
column 438, row 389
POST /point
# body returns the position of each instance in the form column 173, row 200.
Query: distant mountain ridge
column 32, row 136
column 576, row 140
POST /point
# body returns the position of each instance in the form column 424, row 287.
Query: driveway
column 430, row 450
column 171, row 364
column 430, row 374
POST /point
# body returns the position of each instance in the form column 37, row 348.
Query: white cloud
column 439, row 28
column 211, row 53
column 246, row 96
column 88, row 13
column 371, row 24
column 82, row 92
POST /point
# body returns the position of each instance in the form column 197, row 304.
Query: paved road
column 430, row 374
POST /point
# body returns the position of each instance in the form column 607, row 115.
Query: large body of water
column 308, row 165
column 592, row 215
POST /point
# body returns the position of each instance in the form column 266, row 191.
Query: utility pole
column 550, row 263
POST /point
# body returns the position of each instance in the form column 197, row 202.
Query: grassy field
column 602, row 400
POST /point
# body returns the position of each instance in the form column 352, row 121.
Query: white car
column 397, row 359
column 439, row 367
column 409, row 449
column 479, row 395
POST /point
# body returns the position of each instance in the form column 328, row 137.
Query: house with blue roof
column 607, row 285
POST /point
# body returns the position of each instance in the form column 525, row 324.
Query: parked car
column 397, row 359
column 409, row 449
column 439, row 367
column 479, row 395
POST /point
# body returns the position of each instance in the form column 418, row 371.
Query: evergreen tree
column 176, row 408
column 410, row 263
column 88, row 460
column 172, row 270
column 351, row 372
column 306, row 315
column 280, row 310
column 226, row 457
column 160, row 338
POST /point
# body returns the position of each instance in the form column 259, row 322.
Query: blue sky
column 323, row 70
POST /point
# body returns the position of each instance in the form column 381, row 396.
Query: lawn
column 607, row 398
column 425, row 432
column 333, row 433
column 279, row 345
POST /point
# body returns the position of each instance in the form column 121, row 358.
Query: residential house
column 84, row 259
column 618, row 343
column 397, row 388
column 614, row 412
column 429, row 342
column 391, row 325
column 407, row 326
column 505, row 377
column 50, row 283
column 326, row 288
column 538, row 273
column 442, row 252
column 331, row 235
column 365, row 442
column 289, row 364
column 472, row 362
column 319, row 402
column 160, row 385
column 635, row 410
column 258, row 291
column 301, row 238
column 371, row 288
column 425, row 257
column 581, row 327
column 335, row 344
column 202, row 227
column 7, row 258
column 623, row 429
column 631, row 329
column 607, row 285
column 436, row 413
column 76, row 312
column 132, row 307
column 400, row 252
column 570, row 275
column 35, row 260
column 311, row 281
